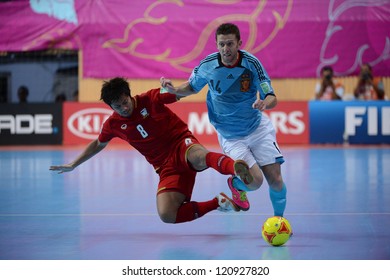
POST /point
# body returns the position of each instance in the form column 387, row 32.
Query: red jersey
column 153, row 129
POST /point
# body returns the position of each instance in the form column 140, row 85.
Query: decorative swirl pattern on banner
column 335, row 31
column 150, row 38
column 135, row 48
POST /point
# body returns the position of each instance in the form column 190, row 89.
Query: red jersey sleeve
column 164, row 97
column 106, row 132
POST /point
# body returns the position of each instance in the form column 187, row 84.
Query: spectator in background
column 23, row 94
column 60, row 97
column 368, row 87
column 76, row 95
column 328, row 88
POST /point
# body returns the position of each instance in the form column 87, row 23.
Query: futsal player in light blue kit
column 239, row 91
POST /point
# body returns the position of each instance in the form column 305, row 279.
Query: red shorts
column 176, row 174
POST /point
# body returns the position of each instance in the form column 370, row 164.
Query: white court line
column 210, row 214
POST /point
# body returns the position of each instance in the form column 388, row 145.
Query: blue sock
column 278, row 200
column 239, row 185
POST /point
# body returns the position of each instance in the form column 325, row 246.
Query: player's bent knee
column 167, row 217
column 257, row 182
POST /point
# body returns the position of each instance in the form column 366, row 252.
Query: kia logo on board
column 87, row 123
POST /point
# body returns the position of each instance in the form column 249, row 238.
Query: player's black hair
column 327, row 68
column 113, row 89
column 228, row 28
column 368, row 66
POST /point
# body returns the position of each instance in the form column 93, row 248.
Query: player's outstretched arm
column 181, row 91
column 92, row 149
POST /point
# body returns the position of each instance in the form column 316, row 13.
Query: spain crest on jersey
column 245, row 83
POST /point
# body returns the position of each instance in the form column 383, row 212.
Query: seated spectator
column 60, row 97
column 76, row 95
column 23, row 94
column 328, row 88
column 369, row 87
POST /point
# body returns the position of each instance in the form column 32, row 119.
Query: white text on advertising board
column 354, row 118
column 286, row 123
column 27, row 124
column 87, row 123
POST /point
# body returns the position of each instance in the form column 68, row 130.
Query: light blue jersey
column 232, row 91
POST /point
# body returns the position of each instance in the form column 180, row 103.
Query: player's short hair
column 368, row 66
column 228, row 28
column 327, row 68
column 113, row 89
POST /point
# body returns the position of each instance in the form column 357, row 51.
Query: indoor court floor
column 338, row 206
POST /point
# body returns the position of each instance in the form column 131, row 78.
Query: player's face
column 327, row 74
column 123, row 106
column 228, row 47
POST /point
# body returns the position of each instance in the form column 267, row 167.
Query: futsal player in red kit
column 165, row 141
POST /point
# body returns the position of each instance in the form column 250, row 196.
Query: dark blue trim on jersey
column 257, row 66
column 207, row 59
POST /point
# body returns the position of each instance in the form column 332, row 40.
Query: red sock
column 192, row 210
column 220, row 162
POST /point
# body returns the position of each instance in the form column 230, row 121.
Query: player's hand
column 61, row 168
column 167, row 84
column 259, row 104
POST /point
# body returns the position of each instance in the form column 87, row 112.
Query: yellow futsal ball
column 276, row 230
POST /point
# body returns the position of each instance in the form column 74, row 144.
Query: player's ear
column 239, row 43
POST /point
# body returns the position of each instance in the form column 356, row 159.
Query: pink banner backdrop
column 150, row 38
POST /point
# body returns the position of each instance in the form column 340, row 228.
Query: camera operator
column 328, row 88
column 368, row 87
